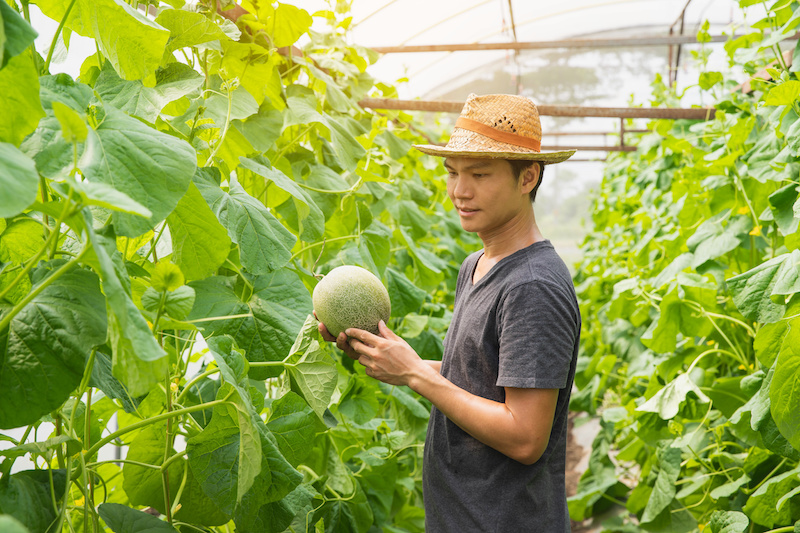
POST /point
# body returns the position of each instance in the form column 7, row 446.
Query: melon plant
column 166, row 215
column 351, row 297
column 690, row 297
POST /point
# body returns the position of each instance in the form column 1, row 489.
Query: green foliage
column 689, row 296
column 166, row 218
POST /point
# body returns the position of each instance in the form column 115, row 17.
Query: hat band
column 497, row 135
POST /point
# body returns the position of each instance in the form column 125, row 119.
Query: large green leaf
column 311, row 221
column 199, row 242
column 264, row 243
column 151, row 167
column 664, row 490
column 785, row 388
column 762, row 504
column 188, row 28
column 19, row 180
column 312, row 371
column 275, row 517
column 405, row 296
column 122, row 519
column 44, row 348
column 294, row 425
column 26, row 496
column 137, row 55
column 666, row 402
column 226, row 456
column 752, row 289
column 46, row 145
column 22, row 108
column 713, row 239
column 133, row 97
column 728, row 522
column 137, row 359
column 279, row 304
column 15, row 35
column 143, row 485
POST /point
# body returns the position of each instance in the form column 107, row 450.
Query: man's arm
column 519, row 428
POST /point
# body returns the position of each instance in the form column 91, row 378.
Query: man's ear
column 530, row 177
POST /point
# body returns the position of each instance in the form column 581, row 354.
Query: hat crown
column 505, row 112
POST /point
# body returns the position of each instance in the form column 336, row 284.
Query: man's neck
column 519, row 233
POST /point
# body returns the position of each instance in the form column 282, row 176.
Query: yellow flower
column 80, row 501
column 743, row 210
column 756, row 231
column 173, row 387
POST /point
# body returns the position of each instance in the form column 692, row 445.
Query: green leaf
column 784, row 94
column 287, row 24
column 137, row 55
column 15, row 34
column 177, row 303
column 664, row 490
column 9, row 524
column 188, row 28
column 151, row 167
column 294, row 425
column 143, row 485
column 44, row 348
column 200, row 244
column 19, row 181
column 26, row 497
column 22, row 108
column 108, row 197
column 43, row 447
column 347, row 149
column 709, row 79
column 784, row 391
column 137, row 359
column 226, row 455
column 713, row 239
column 279, row 304
column 405, row 296
column 781, row 203
column 19, row 242
column 166, row 276
column 762, row 504
column 311, row 221
column 275, row 517
column 264, row 243
column 133, row 97
column 787, row 280
column 666, row 402
column 73, row 128
column 728, row 522
column 752, row 289
column 312, row 372
column 122, row 519
column 352, row 514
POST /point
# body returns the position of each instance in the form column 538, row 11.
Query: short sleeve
column 537, row 331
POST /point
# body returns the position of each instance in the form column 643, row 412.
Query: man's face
column 486, row 193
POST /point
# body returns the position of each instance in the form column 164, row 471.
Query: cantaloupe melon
column 351, row 297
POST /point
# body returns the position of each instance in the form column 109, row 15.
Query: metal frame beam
column 667, row 40
column 444, row 106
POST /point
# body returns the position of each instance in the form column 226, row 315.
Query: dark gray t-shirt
column 518, row 326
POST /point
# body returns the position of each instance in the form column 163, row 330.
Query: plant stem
column 158, row 418
column 194, row 380
column 320, row 243
column 46, row 67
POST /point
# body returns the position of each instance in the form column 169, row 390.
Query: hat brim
column 543, row 157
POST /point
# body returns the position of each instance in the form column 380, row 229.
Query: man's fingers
column 386, row 332
column 325, row 333
column 364, row 336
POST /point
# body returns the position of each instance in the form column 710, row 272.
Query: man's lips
column 466, row 211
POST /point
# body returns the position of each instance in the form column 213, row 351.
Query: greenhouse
column 401, row 266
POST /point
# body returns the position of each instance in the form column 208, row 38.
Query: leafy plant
column 165, row 217
column 689, row 293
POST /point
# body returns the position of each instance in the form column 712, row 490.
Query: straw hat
column 497, row 126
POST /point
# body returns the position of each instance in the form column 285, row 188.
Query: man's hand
column 387, row 357
column 341, row 341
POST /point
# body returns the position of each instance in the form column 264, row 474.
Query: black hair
column 518, row 166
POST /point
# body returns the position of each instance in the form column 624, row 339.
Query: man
column 495, row 451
